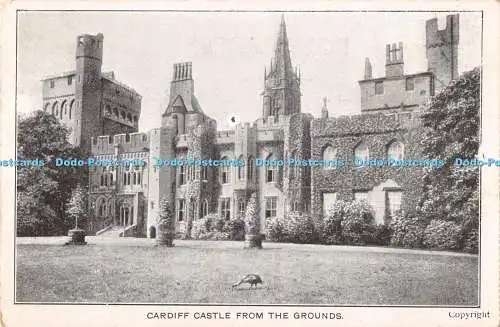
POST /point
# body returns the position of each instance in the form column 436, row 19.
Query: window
column 225, row 176
column 241, row 208
column 241, row 171
column 379, row 87
column 410, row 84
column 204, row 208
column 70, row 80
column 271, row 205
column 395, row 150
column 225, row 208
column 296, row 206
column 250, row 168
column 192, row 173
column 361, row 152
column 394, row 201
column 329, row 200
column 182, row 175
column 52, row 83
column 271, row 171
column 102, row 209
column 181, row 208
column 54, row 109
column 361, row 196
column 204, row 173
column 71, row 104
column 329, row 154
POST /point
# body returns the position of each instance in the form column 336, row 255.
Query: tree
column 166, row 226
column 253, row 238
column 44, row 191
column 77, row 206
column 451, row 130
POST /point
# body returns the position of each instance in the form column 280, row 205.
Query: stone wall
column 376, row 131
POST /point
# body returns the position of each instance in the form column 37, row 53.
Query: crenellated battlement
column 436, row 37
column 364, row 123
column 272, row 122
column 182, row 71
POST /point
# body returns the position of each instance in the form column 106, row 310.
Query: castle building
column 125, row 200
column 88, row 101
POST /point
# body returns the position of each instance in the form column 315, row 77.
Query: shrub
column 380, row 235
column 330, row 231
column 441, row 234
column 212, row 227
column 299, row 228
column 235, row 228
column 357, row 223
column 471, row 242
column 275, row 230
column 203, row 226
column 407, row 231
column 217, row 224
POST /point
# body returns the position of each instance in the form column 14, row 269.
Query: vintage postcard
column 240, row 164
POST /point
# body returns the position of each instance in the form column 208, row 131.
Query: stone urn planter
column 165, row 234
column 76, row 236
column 253, row 241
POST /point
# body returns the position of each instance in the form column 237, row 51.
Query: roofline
column 395, row 77
column 64, row 74
column 122, row 85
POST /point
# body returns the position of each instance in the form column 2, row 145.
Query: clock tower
column 281, row 94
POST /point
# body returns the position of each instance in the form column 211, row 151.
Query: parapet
column 365, row 123
column 132, row 142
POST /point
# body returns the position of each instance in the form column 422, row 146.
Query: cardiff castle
column 102, row 115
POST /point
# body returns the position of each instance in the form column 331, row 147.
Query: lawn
column 134, row 271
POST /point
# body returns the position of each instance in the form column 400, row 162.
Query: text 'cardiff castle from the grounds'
column 103, row 117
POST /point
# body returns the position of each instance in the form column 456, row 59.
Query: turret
column 442, row 50
column 88, row 94
column 394, row 64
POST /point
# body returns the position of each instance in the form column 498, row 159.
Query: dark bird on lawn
column 252, row 279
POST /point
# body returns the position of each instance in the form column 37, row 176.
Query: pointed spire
column 282, row 61
column 324, row 110
column 368, row 69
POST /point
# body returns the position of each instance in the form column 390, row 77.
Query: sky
column 228, row 51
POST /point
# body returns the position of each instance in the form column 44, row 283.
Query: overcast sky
column 228, row 52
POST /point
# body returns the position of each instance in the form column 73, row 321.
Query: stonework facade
column 88, row 101
column 127, row 199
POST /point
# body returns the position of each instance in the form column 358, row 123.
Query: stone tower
column 88, row 89
column 442, row 50
column 281, row 94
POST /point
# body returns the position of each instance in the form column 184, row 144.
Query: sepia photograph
column 252, row 158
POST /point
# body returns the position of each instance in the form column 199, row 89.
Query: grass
column 203, row 272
